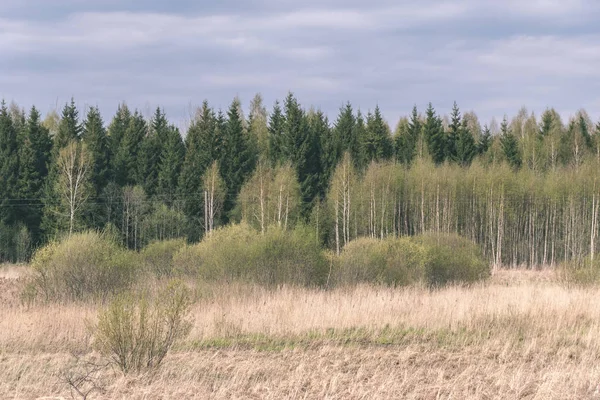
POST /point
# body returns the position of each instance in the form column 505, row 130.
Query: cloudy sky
column 490, row 56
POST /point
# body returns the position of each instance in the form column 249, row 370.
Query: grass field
column 519, row 336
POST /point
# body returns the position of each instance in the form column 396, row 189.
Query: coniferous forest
column 526, row 191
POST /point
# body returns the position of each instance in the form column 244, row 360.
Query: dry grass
column 519, row 336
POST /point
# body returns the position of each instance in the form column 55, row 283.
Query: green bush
column 82, row 266
column 392, row 261
column 434, row 260
column 580, row 272
column 136, row 333
column 239, row 252
column 452, row 259
column 157, row 257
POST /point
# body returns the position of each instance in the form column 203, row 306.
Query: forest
column 524, row 190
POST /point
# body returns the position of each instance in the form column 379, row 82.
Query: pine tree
column 69, row 128
column 237, row 159
column 510, row 146
column 198, row 157
column 378, row 143
column 484, row 141
column 9, row 167
column 169, row 167
column 434, row 135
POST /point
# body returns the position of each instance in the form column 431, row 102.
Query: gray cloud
column 492, row 57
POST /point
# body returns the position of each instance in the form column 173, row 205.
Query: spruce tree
column 125, row 160
column 319, row 125
column 403, row 151
column 454, row 131
column 34, row 156
column 116, row 133
column 217, row 141
column 344, row 136
column 69, row 128
column 97, row 144
column 9, row 168
column 406, row 143
column 585, row 132
column 304, row 150
column 484, row 141
column 151, row 152
column 308, row 162
column 434, row 135
column 546, row 123
column 378, row 144
column 169, row 167
column 356, row 147
column 198, row 157
column 510, row 146
column 465, row 147
column 237, row 159
column 276, row 126
column 328, row 159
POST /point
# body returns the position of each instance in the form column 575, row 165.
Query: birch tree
column 73, row 184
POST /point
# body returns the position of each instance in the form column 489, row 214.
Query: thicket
column 432, row 260
column 239, row 252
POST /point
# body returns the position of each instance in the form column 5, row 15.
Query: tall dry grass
column 518, row 336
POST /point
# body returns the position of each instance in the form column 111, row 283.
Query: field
column 521, row 335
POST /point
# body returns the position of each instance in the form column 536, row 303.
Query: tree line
column 524, row 190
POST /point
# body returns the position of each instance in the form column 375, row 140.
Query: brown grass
column 521, row 335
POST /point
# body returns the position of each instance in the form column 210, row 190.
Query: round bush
column 391, row 261
column 452, row 259
column 81, row 266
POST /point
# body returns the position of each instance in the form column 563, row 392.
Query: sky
column 490, row 56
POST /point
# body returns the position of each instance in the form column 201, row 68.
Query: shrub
column 580, row 272
column 239, row 252
column 452, row 259
column 391, row 261
column 82, row 266
column 136, row 333
column 157, row 257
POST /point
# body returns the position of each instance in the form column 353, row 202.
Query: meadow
column 520, row 334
